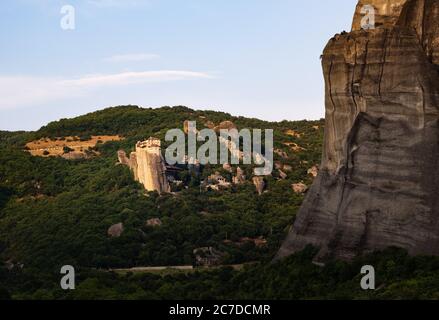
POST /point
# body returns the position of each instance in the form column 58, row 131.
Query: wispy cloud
column 20, row 91
column 133, row 57
column 126, row 78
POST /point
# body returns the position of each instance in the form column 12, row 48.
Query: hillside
column 55, row 211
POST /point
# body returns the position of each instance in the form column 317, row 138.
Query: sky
column 253, row 58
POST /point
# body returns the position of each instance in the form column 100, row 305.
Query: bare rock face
column 151, row 169
column 116, row 230
column 299, row 187
column 423, row 17
column 133, row 165
column 259, row 183
column 313, row 171
column 379, row 178
column 147, row 165
column 122, row 157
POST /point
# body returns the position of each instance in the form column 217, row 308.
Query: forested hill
column 56, row 211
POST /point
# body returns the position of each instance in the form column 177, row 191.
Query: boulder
column 299, row 188
column 313, row 171
column 116, row 230
column 154, row 222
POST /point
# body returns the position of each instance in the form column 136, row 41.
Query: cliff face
column 151, row 170
column 379, row 176
column 148, row 165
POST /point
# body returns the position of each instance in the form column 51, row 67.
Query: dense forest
column 56, row 212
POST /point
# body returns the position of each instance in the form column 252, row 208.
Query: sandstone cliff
column 379, row 176
column 148, row 165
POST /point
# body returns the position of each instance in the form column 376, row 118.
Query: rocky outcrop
column 293, row 133
column 423, row 17
column 299, row 187
column 122, row 157
column 379, row 178
column 154, row 222
column 259, row 183
column 151, row 169
column 240, row 176
column 115, row 231
column 148, row 165
column 313, row 171
column 133, row 165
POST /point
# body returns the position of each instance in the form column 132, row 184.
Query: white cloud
column 126, row 78
column 18, row 91
column 134, row 57
column 22, row 91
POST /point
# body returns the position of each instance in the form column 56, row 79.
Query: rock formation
column 259, row 183
column 282, row 175
column 122, row 157
column 148, row 165
column 154, row 222
column 115, row 231
column 313, row 171
column 240, row 176
column 379, row 178
column 299, row 187
column 133, row 165
column 151, row 169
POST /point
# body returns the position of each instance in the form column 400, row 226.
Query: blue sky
column 255, row 58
